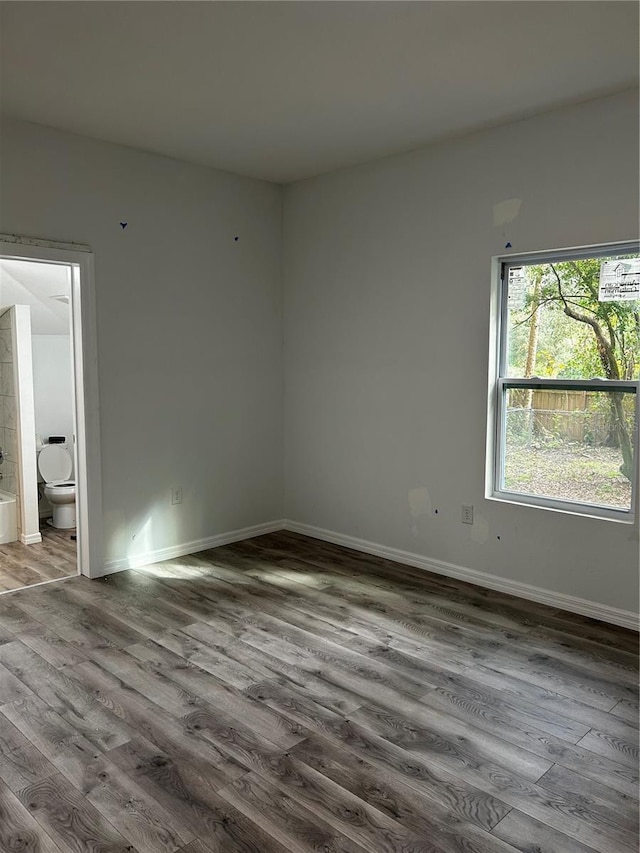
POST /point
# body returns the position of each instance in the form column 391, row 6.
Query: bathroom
column 37, row 464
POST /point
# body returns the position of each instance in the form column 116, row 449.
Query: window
column 564, row 381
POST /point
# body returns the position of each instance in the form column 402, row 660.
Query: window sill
column 566, row 508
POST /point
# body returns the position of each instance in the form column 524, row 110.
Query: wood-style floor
column 284, row 695
column 26, row 565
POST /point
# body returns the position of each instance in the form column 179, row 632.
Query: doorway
column 47, row 321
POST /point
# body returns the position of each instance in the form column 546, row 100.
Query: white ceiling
column 36, row 285
column 287, row 90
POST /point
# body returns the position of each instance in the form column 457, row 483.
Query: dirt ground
column 574, row 471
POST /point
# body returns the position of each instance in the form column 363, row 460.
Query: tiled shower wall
column 8, row 408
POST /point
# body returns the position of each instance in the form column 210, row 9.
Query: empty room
column 319, row 407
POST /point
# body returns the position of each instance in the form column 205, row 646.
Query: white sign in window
column 517, row 288
column 619, row 280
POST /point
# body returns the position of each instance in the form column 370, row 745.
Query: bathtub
column 8, row 518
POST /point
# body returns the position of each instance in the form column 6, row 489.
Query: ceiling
column 36, row 285
column 287, row 90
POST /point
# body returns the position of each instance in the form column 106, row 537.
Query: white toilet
column 55, row 466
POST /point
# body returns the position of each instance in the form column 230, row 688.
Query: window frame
column 500, row 383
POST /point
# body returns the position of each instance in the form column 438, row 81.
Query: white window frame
column 499, row 383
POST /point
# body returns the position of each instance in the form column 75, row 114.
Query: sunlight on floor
column 174, row 570
column 290, row 578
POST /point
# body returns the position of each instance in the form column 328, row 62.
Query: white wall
column 387, row 280
column 53, row 395
column 189, row 328
column 52, row 386
column 387, row 317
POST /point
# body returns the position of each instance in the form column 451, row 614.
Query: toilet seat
column 62, row 487
column 54, row 463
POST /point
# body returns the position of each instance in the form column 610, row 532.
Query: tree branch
column 605, row 350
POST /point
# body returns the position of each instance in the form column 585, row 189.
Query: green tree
column 572, row 287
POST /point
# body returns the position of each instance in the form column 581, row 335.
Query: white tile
column 6, row 379
column 6, row 348
column 9, row 412
column 8, row 483
column 10, row 445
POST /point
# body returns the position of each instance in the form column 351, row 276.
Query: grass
column 570, row 471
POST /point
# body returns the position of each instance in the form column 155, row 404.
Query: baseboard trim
column 30, row 538
column 193, row 547
column 559, row 600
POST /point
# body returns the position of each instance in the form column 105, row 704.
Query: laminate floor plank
column 359, row 745
column 597, row 826
column 56, row 650
column 272, row 667
column 626, row 710
column 355, row 817
column 295, row 644
column 154, row 686
column 387, row 572
column 61, row 693
column 593, row 654
column 11, row 687
column 13, row 619
column 293, row 825
column 612, row 748
column 459, row 686
column 122, row 802
column 569, row 676
column 453, row 744
column 307, row 682
column 209, row 657
column 141, row 613
column 65, row 621
column 70, row 819
column 66, row 600
column 20, row 762
column 594, row 757
column 171, row 735
column 555, row 703
column 187, row 791
column 561, row 780
column 43, row 727
column 223, row 698
column 19, row 832
column 236, row 834
column 52, row 559
column 462, row 822
column 5, row 635
column 531, row 836
column 287, row 695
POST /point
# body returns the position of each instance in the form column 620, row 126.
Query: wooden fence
column 564, row 415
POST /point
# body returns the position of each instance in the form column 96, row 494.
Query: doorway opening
column 50, row 509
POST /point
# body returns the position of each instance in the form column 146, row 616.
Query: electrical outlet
column 176, row 496
column 467, row 514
